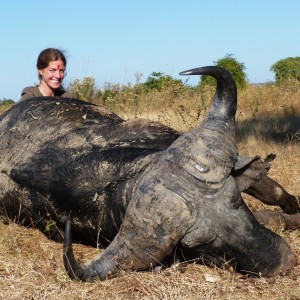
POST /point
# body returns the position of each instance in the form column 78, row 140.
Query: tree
column 233, row 66
column 157, row 80
column 287, row 68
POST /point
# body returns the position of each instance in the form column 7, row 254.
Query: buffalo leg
column 270, row 192
column 277, row 219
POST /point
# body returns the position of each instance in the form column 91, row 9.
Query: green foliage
column 158, row 81
column 233, row 66
column 286, row 69
column 49, row 227
column 5, row 101
column 111, row 91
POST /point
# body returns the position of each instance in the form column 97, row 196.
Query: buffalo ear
column 249, row 170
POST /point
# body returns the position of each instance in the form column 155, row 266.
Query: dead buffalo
column 139, row 186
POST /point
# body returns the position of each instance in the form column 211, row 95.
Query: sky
column 113, row 40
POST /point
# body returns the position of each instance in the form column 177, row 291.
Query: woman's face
column 54, row 74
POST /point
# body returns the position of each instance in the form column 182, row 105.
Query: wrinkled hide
column 67, row 155
column 137, row 186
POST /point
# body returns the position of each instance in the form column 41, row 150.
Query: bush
column 84, row 90
column 5, row 101
column 158, row 81
column 233, row 66
column 286, row 69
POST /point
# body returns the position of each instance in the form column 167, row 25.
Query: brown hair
column 47, row 55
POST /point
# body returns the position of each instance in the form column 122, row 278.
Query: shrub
column 158, row 81
column 84, row 90
column 286, row 69
column 233, row 66
column 5, row 101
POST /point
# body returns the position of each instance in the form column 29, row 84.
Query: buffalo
column 139, row 188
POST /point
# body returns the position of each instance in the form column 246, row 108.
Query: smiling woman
column 51, row 65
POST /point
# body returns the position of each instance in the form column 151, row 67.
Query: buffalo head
column 186, row 197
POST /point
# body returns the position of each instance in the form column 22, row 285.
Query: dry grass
column 31, row 266
column 4, row 108
column 260, row 108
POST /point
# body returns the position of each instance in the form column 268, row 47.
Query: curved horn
column 73, row 268
column 225, row 99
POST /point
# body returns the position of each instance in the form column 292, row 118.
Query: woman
column 51, row 65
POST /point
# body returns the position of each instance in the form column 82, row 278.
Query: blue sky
column 112, row 40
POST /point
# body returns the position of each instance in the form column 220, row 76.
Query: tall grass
column 184, row 107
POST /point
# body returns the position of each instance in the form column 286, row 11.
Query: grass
column 268, row 117
column 31, row 268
